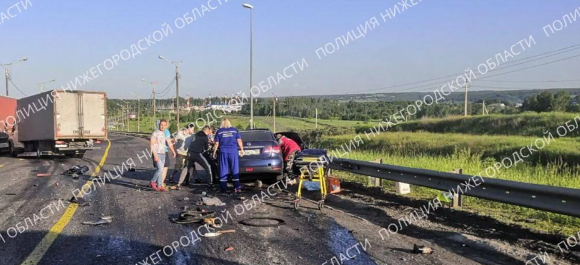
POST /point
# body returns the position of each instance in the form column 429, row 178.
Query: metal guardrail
column 135, row 134
column 541, row 197
column 548, row 198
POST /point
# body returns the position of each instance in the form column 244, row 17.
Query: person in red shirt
column 289, row 149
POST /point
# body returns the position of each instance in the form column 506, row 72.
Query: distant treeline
column 334, row 107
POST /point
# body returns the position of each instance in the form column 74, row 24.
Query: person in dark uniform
column 227, row 141
column 195, row 153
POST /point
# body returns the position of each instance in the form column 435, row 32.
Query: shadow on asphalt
column 482, row 226
column 89, row 250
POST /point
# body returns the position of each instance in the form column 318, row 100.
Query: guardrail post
column 402, row 188
column 457, row 201
column 376, row 182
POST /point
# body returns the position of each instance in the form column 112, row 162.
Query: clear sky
column 64, row 39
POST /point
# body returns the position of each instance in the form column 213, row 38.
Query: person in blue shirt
column 227, row 140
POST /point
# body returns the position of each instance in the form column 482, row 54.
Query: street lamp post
column 248, row 6
column 138, row 112
column 7, row 73
column 154, row 84
column 176, row 63
column 274, row 112
column 41, row 85
column 121, row 116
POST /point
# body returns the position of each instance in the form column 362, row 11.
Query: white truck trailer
column 69, row 124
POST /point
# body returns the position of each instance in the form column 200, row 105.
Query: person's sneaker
column 178, row 187
column 239, row 190
column 154, row 186
column 163, row 189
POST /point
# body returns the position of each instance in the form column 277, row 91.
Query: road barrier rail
column 135, row 134
column 541, row 197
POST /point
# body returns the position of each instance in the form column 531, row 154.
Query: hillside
column 524, row 124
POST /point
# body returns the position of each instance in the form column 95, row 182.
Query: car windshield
column 257, row 136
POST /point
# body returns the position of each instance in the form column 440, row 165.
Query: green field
column 562, row 151
column 524, row 124
column 241, row 122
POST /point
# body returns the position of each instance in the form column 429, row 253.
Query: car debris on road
column 212, row 201
column 218, row 233
column 422, row 249
column 75, row 171
column 103, row 221
column 192, row 216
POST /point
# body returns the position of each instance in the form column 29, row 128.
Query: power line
column 525, row 88
column 509, row 65
column 10, row 79
column 530, row 67
column 529, row 81
column 167, row 88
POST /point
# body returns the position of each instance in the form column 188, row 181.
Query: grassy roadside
column 561, row 151
column 472, row 164
column 523, row 124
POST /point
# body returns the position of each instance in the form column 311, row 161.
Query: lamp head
column 246, row 5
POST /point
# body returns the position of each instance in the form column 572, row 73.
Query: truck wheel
column 38, row 152
column 13, row 152
column 79, row 155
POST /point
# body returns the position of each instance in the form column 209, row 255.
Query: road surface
column 141, row 225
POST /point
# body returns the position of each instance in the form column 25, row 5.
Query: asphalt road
column 141, row 223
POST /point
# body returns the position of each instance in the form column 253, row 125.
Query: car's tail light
column 249, row 169
column 60, row 142
column 273, row 149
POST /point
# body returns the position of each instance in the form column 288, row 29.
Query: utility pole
column 138, row 111
column 484, row 110
column 176, row 63
column 465, row 106
column 274, row 100
column 316, row 118
column 128, row 117
column 154, row 109
column 138, row 114
column 154, row 84
column 41, row 85
column 6, row 75
column 248, row 6
column 177, row 92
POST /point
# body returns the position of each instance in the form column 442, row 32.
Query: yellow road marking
column 42, row 247
column 1, row 166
